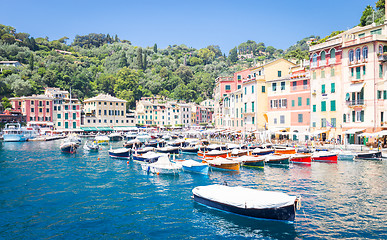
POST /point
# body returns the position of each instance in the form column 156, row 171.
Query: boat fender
column 298, row 204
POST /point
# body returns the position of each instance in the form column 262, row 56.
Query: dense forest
column 103, row 63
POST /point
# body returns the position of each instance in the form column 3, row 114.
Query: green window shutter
column 299, row 101
column 314, row 124
column 314, row 75
column 314, row 108
column 353, row 116
column 66, row 125
column 333, row 105
column 279, row 73
column 74, row 116
column 300, row 118
column 333, row 87
column 344, row 117
column 241, row 112
column 74, row 124
column 362, row 116
column 379, row 94
column 323, row 106
column 252, row 107
column 263, row 89
column 380, row 71
column 59, row 116
column 293, row 103
column 364, row 70
column 253, row 118
column 323, row 88
column 385, row 94
column 66, row 116
column 307, row 101
column 252, row 89
column 357, row 72
column 245, row 107
column 332, row 72
column 333, row 122
column 352, row 72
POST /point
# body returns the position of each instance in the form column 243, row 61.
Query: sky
column 196, row 23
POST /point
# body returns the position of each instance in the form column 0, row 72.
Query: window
column 305, row 84
column 357, row 54
column 275, row 121
column 66, row 116
column 314, row 58
column 245, row 90
column 323, row 56
column 282, row 85
column 252, row 89
column 66, row 107
column 253, row 120
column 40, row 109
column 333, row 53
column 74, row 124
column 314, row 124
column 293, row 103
column 307, row 101
column 59, row 116
column 239, row 77
column 344, row 117
column 332, row 72
column 380, row 70
column 350, row 55
column 74, row 116
column 323, row 88
column 361, row 35
column 239, row 86
column 380, row 49
column 274, row 86
column 279, row 73
column 364, row 70
column 299, row 101
column 104, row 112
column 352, row 72
column 323, row 106
column 300, row 118
column 323, row 74
column 282, row 119
column 333, row 105
column 357, row 72
column 32, row 110
column 365, row 52
column 245, row 107
column 294, row 85
column 323, row 122
column 32, row 102
column 333, row 122
column 74, row 107
column 376, row 32
column 333, row 87
column 252, row 107
column 228, row 87
column 263, row 89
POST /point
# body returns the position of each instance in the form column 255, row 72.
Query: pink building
column 37, row 108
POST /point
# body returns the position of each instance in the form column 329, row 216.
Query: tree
column 128, row 81
column 233, row 55
column 185, row 73
column 8, row 38
column 155, row 48
column 380, row 5
column 144, row 62
column 31, row 62
column 123, row 60
column 206, row 55
column 139, row 58
column 63, row 40
column 6, row 103
column 367, row 15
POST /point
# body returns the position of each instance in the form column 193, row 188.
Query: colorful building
column 38, row 109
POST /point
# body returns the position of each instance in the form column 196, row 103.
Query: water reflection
column 232, row 225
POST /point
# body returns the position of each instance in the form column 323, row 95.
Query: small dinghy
column 69, row 147
column 168, row 149
column 162, row 166
column 262, row 151
column 301, row 158
column 91, row 146
column 120, row 153
column 144, row 150
column 115, row 136
column 248, row 202
column 194, row 166
column 133, row 143
column 286, row 150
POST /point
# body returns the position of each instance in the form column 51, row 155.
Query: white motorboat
column 91, row 146
column 162, row 166
column 13, row 132
column 102, row 139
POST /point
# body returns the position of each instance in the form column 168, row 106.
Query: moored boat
column 248, row 202
column 13, row 132
column 276, row 159
column 223, row 164
column 286, row 150
column 102, row 139
column 194, row 166
column 190, row 149
column 133, row 143
column 213, row 154
column 324, row 156
column 262, row 151
column 371, row 155
column 68, row 147
column 91, row 146
column 144, row 150
column 239, row 152
column 120, row 153
column 168, row 149
column 148, row 157
column 115, row 136
column 301, row 158
column 162, row 166
column 251, row 161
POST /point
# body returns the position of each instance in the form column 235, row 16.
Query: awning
column 105, row 129
column 125, row 128
column 353, row 131
column 355, row 87
column 381, row 133
column 278, row 129
column 89, row 129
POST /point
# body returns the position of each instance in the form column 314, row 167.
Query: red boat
column 325, row 157
column 301, row 158
column 213, row 154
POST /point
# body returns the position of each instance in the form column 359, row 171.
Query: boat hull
column 307, row 159
column 225, row 166
column 263, row 152
column 332, row 158
column 277, row 161
column 197, row 169
column 285, row 151
column 369, row 156
column 14, row 138
column 258, row 163
column 68, row 148
column 174, row 150
column 143, row 159
column 286, row 213
column 122, row 155
column 209, row 155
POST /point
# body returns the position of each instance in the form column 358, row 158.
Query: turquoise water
column 47, row 194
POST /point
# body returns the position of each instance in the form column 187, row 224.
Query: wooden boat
column 162, row 166
column 120, row 153
column 213, row 154
column 251, row 161
column 190, row 149
column 285, row 151
column 194, row 166
column 276, row 159
column 239, row 152
column 324, row 157
column 69, row 147
column 248, row 202
column 168, row 149
column 262, row 151
column 371, row 155
column 144, row 150
column 301, row 158
column 149, row 157
column 223, row 164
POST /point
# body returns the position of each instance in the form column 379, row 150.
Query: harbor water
column 46, row 194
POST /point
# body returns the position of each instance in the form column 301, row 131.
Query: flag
column 328, row 124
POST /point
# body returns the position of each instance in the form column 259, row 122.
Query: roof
column 8, row 61
column 39, row 97
column 104, row 98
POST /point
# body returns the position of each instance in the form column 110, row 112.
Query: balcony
column 357, row 79
column 323, row 63
column 356, row 102
column 363, row 40
column 313, row 65
column 332, row 61
column 383, row 57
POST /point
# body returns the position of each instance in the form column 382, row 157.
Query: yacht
column 13, row 132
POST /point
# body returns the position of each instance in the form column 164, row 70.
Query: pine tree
column 123, row 60
column 144, row 62
column 108, row 38
column 31, row 62
column 155, row 48
column 139, row 58
column 116, row 39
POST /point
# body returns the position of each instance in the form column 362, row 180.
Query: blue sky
column 195, row 23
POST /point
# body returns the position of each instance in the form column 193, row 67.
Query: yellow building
column 261, row 74
column 104, row 111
